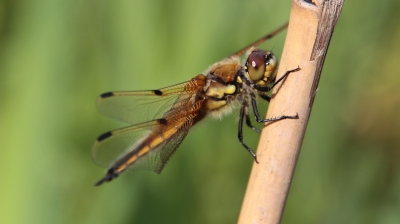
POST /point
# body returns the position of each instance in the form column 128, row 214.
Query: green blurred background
column 57, row 56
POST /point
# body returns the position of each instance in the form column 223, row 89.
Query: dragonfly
column 162, row 118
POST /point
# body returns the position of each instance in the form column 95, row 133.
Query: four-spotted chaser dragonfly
column 162, row 117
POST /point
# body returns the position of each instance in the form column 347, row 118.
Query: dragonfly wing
column 140, row 106
column 113, row 145
column 150, row 145
column 259, row 41
column 159, row 156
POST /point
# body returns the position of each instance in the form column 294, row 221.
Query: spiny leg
column 260, row 120
column 243, row 108
column 268, row 88
column 244, row 111
column 265, row 97
column 250, row 125
column 248, row 120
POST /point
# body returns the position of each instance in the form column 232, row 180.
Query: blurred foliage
column 57, row 56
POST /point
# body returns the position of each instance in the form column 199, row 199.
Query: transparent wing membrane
column 106, row 151
column 149, row 145
column 140, row 106
column 158, row 157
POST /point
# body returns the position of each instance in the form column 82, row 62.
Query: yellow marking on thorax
column 215, row 104
column 230, row 89
column 219, row 91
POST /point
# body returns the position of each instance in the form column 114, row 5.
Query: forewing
column 149, row 145
column 259, row 41
column 140, row 106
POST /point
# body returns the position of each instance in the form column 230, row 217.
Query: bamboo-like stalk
column 309, row 32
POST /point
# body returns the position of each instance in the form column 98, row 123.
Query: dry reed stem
column 309, row 32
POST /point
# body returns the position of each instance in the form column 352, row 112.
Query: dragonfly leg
column 265, row 97
column 243, row 108
column 268, row 88
column 260, row 120
column 250, row 125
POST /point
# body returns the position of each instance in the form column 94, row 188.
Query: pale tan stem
column 310, row 30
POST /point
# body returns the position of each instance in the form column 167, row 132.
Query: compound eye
column 256, row 65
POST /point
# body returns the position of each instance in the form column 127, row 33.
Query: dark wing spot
column 104, row 136
column 105, row 95
column 157, row 92
column 163, row 121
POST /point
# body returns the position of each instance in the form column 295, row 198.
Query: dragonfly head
column 261, row 66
